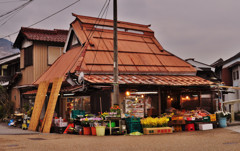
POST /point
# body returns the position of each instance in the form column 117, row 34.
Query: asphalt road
column 221, row 139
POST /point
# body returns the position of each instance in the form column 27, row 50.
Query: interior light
column 187, row 97
column 142, row 96
column 127, row 93
column 168, row 96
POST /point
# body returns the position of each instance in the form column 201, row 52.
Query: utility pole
column 115, row 59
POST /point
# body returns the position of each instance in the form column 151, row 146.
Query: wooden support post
column 47, row 122
column 232, row 113
column 159, row 102
column 39, row 101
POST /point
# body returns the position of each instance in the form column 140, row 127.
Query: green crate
column 206, row 119
column 75, row 113
column 132, row 120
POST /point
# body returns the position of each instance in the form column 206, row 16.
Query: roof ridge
column 37, row 30
column 110, row 20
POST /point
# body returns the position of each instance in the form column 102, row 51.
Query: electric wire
column 95, row 55
column 44, row 18
column 100, row 15
column 15, row 9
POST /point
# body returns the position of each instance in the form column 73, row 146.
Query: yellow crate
column 213, row 117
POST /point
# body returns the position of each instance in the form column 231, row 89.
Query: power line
column 45, row 17
column 13, row 1
column 105, row 6
column 17, row 8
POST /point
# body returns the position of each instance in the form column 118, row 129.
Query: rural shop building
column 144, row 67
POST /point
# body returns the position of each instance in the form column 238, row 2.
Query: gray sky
column 202, row 29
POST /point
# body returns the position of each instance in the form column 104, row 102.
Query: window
column 28, row 56
column 233, row 74
column 79, row 103
column 237, row 76
column 54, row 53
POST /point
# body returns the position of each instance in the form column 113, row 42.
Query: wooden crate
column 157, row 130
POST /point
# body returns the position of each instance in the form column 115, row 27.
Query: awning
column 164, row 80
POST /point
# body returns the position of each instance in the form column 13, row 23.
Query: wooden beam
column 51, row 105
column 39, row 101
column 159, row 102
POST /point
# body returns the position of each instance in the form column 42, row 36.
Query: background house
column 231, row 77
column 9, row 64
column 39, row 48
column 204, row 70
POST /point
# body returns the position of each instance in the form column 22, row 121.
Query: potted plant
column 86, row 126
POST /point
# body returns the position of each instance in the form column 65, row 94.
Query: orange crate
column 213, row 117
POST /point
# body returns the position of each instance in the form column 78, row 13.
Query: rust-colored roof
column 138, row 53
column 33, row 34
column 165, row 80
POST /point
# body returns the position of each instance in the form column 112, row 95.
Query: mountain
column 6, row 48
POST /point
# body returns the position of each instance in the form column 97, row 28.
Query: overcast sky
column 202, row 29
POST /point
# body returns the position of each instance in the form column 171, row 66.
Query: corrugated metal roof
column 149, row 80
column 9, row 58
column 138, row 53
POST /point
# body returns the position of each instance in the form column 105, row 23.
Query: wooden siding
column 39, row 60
column 27, row 76
column 15, row 97
column 22, row 59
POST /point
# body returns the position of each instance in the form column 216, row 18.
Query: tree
column 6, row 105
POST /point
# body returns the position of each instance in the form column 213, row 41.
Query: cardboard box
column 157, row 130
column 208, row 126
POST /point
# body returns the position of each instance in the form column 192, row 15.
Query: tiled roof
column 33, row 34
column 165, row 80
column 138, row 53
column 56, row 35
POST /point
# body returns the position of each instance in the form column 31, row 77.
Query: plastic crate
column 132, row 120
column 213, row 117
column 206, row 119
column 133, row 125
column 75, row 113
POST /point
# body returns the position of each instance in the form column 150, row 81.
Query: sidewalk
column 9, row 130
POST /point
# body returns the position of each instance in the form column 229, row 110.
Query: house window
column 54, row 53
column 28, row 56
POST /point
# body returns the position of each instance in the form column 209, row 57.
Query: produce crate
column 132, row 120
column 133, row 125
column 75, row 113
column 213, row 117
column 206, row 119
column 157, row 130
column 177, row 128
